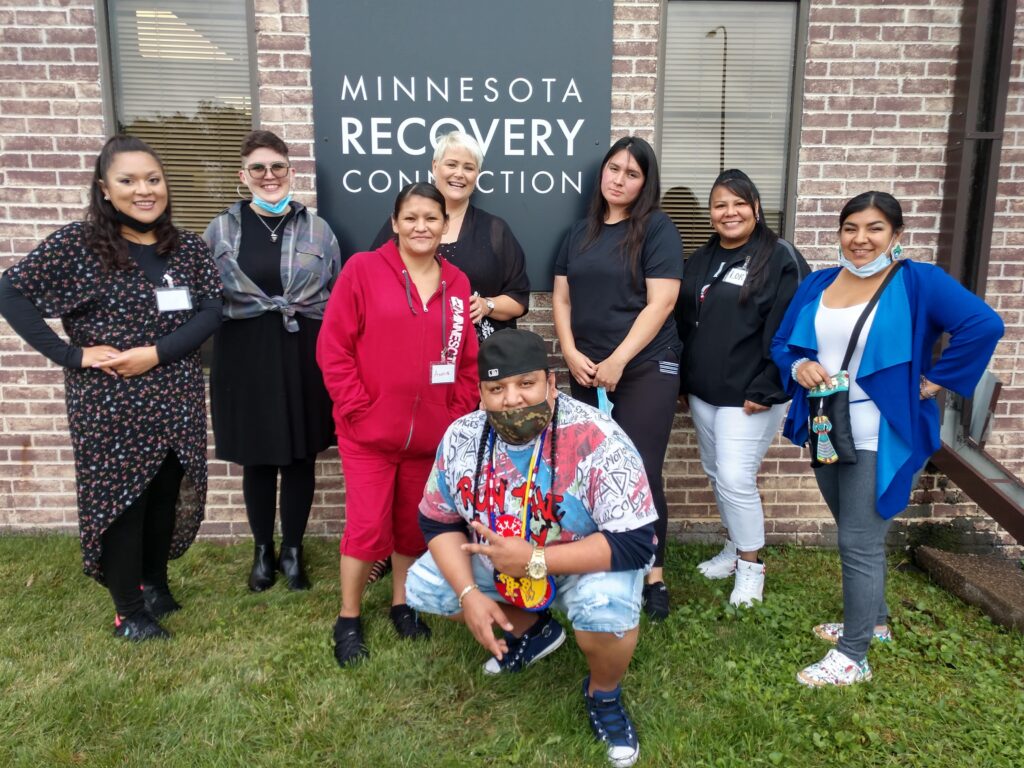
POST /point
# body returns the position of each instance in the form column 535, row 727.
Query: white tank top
column 833, row 328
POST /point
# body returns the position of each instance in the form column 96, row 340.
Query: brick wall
column 875, row 114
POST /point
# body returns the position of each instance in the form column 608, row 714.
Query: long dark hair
column 103, row 230
column 883, row 201
column 639, row 211
column 762, row 239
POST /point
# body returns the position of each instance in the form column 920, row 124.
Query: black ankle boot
column 263, row 573
column 290, row 565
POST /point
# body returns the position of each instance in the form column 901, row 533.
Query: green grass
column 249, row 680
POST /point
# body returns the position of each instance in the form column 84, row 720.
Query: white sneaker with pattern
column 835, row 669
column 722, row 565
column 832, row 631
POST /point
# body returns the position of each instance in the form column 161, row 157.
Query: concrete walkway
column 994, row 584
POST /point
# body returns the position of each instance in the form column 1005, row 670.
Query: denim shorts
column 606, row 601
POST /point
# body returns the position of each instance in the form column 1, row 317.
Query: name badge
column 735, row 276
column 173, row 299
column 442, row 373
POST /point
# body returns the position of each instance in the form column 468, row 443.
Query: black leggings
column 645, row 404
column 137, row 545
column 259, row 488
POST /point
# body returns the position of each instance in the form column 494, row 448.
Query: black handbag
column 829, row 433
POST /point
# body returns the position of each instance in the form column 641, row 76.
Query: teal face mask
column 277, row 209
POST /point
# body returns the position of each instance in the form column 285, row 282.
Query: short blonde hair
column 459, row 140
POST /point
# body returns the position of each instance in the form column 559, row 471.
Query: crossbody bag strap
column 864, row 315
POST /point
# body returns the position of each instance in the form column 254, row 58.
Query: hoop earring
column 240, row 193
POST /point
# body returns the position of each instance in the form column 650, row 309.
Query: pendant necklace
column 273, row 232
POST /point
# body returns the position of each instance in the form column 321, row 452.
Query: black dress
column 267, row 397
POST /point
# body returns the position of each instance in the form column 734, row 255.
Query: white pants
column 732, row 445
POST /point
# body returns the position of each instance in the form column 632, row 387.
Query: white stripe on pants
column 732, row 445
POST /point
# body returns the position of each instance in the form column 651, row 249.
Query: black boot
column 263, row 574
column 290, row 565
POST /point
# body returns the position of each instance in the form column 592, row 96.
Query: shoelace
column 610, row 720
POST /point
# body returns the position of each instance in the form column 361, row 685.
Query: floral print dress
column 122, row 428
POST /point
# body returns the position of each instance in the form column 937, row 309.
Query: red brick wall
column 875, row 114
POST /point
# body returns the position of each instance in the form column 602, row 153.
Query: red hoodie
column 376, row 348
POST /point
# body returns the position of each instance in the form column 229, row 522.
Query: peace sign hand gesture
column 510, row 554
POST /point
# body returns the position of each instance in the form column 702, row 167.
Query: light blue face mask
column 277, row 209
column 874, row 266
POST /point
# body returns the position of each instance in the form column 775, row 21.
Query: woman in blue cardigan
column 893, row 413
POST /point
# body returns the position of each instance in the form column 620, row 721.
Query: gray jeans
column 849, row 491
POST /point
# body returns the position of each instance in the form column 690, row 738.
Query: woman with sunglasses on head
column 136, row 297
column 735, row 291
column 616, row 282
column 271, row 412
column 893, row 416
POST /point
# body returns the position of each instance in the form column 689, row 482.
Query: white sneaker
column 835, row 669
column 749, row 584
column 722, row 565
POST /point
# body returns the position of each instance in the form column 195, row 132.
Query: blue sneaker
column 545, row 636
column 611, row 724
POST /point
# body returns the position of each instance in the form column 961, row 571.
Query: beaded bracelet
column 795, row 365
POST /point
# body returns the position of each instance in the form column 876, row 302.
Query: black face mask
column 139, row 226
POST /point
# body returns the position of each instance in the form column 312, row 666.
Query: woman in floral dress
column 136, row 297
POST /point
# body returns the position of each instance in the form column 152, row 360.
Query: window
column 726, row 103
column 182, row 83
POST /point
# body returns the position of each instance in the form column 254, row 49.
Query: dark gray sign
column 530, row 79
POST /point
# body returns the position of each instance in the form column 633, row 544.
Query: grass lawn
column 249, row 680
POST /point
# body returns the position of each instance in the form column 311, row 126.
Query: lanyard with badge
column 522, row 592
column 735, row 276
column 443, row 372
column 172, row 298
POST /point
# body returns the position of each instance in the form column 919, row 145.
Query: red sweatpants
column 382, row 500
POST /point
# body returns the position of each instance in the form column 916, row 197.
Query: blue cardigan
column 919, row 305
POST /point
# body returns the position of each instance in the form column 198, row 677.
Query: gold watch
column 537, row 568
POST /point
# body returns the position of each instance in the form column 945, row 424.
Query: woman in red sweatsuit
column 398, row 355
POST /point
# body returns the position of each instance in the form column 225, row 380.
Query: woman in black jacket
column 734, row 294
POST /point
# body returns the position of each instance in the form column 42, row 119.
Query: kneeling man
column 539, row 500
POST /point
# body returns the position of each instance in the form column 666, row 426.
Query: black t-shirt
column 606, row 298
column 259, row 256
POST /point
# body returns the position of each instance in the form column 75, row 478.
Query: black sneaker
column 159, row 600
column 139, row 627
column 545, row 636
column 655, row 601
column 610, row 723
column 408, row 623
column 348, row 641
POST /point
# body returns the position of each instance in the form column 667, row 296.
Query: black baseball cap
column 510, row 352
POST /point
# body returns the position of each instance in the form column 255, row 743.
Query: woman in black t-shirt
column 616, row 282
